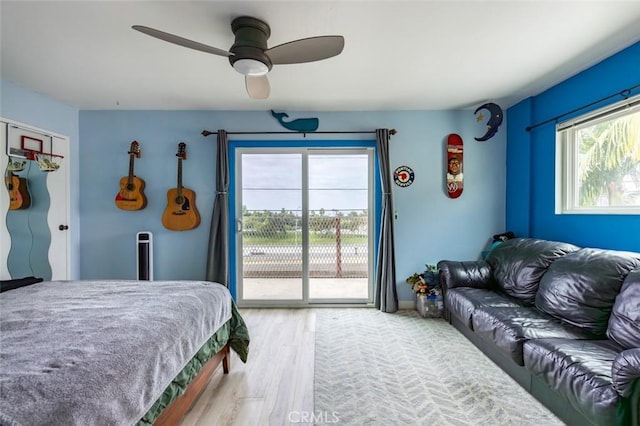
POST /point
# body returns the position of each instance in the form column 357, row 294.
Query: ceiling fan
column 250, row 56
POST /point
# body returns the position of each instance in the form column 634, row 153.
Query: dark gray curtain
column 386, row 298
column 218, row 254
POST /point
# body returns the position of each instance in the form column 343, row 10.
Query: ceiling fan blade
column 306, row 50
column 180, row 41
column 257, row 87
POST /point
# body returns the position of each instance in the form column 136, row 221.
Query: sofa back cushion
column 580, row 288
column 624, row 323
column 519, row 263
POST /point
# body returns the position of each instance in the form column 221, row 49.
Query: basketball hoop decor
column 31, row 144
column 403, row 176
column 32, row 149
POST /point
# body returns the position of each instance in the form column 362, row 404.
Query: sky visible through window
column 274, row 182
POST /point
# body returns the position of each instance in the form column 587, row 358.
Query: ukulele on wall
column 19, row 197
column 131, row 195
column 181, row 213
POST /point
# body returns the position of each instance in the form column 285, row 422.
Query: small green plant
column 425, row 283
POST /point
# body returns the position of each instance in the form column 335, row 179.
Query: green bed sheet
column 234, row 332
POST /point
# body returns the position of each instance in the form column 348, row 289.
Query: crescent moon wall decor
column 495, row 119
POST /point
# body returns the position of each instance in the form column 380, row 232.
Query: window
column 598, row 161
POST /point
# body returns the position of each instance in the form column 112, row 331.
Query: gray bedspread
column 99, row 352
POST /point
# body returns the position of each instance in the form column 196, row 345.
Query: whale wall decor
column 297, row 125
column 495, row 119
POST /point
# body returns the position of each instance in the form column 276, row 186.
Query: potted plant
column 426, row 286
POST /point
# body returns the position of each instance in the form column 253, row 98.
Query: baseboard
column 407, row 305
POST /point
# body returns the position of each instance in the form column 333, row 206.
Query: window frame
column 566, row 180
column 235, row 145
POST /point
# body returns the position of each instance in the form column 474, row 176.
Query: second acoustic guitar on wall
column 181, row 213
column 131, row 195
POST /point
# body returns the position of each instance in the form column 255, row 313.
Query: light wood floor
column 275, row 386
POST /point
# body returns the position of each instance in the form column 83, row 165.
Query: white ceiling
column 397, row 56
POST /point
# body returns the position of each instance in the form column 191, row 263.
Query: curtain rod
column 207, row 133
column 624, row 93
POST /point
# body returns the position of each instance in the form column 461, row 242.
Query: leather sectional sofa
column 563, row 321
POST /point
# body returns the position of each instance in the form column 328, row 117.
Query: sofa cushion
column 519, row 263
column 625, row 371
column 624, row 323
column 509, row 328
column 476, row 273
column 580, row 288
column 461, row 302
column 579, row 370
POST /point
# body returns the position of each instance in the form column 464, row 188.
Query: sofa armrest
column 625, row 371
column 475, row 274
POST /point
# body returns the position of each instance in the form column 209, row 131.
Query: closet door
column 34, row 238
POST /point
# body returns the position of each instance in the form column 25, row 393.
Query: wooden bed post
column 226, row 361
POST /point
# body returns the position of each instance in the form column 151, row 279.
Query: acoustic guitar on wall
column 131, row 195
column 181, row 213
column 19, row 197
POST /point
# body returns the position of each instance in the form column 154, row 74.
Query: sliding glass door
column 270, row 226
column 304, row 226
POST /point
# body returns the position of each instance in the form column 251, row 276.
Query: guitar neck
column 179, row 177
column 130, row 178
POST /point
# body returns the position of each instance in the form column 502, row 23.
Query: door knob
column 63, row 227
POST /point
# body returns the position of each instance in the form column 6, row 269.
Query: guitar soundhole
column 183, row 202
column 130, row 187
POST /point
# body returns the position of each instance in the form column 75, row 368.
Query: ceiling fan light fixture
column 250, row 54
column 250, row 67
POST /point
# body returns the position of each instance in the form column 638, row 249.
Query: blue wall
column 531, row 159
column 31, row 108
column 429, row 226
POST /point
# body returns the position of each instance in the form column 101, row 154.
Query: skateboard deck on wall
column 454, row 175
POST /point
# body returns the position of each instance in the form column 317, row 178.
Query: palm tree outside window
column 599, row 161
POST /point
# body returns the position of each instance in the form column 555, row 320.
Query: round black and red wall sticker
column 403, row 176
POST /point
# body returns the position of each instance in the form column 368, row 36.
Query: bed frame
column 175, row 411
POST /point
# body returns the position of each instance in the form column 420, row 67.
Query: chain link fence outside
column 338, row 244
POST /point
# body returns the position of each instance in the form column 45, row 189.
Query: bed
column 112, row 352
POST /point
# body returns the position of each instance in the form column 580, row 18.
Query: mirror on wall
column 26, row 220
